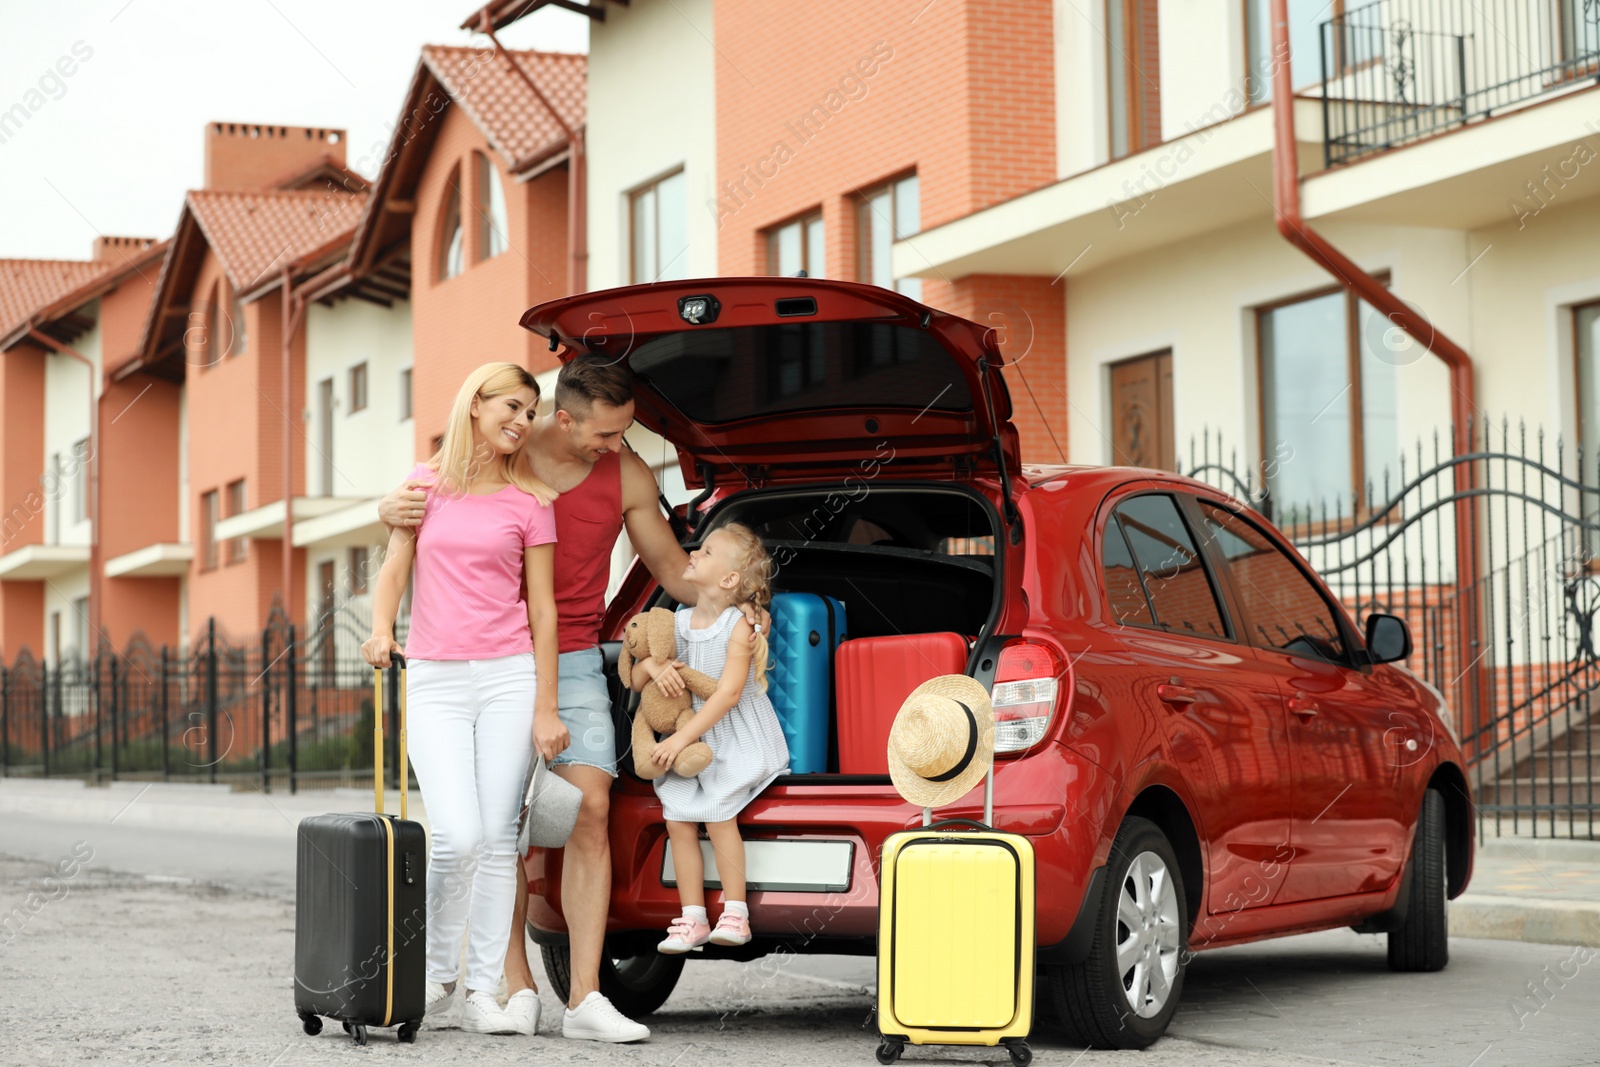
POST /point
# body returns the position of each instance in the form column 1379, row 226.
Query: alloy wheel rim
column 1148, row 935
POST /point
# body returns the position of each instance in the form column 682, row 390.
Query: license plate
column 788, row 866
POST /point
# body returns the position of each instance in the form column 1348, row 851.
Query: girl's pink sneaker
column 731, row 930
column 685, row 934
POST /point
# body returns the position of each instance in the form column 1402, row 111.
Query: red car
column 1201, row 746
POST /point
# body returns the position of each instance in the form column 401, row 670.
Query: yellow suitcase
column 956, row 939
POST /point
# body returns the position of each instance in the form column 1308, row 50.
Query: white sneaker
column 597, row 1019
column 523, row 1008
column 443, row 1008
column 481, row 1014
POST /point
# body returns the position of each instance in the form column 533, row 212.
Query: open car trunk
column 905, row 559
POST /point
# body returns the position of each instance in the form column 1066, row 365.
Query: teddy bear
column 649, row 635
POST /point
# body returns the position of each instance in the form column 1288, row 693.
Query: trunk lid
column 766, row 380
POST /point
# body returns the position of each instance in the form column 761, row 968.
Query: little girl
column 482, row 653
column 730, row 568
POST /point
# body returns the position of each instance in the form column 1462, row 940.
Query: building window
column 405, row 394
column 450, row 251
column 797, row 246
column 492, row 227
column 237, row 546
column 55, row 650
column 80, row 629
column 1305, row 43
column 1580, row 36
column 238, row 336
column 1586, row 338
column 80, row 480
column 1133, row 75
column 358, row 387
column 208, row 531
column 360, row 560
column 1328, row 404
column 216, row 332
column 659, row 231
column 884, row 216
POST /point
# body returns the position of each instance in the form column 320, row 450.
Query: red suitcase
column 874, row 676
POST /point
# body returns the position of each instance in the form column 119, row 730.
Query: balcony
column 1397, row 71
column 34, row 563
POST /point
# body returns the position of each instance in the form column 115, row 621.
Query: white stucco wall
column 652, row 110
column 67, row 385
column 372, row 449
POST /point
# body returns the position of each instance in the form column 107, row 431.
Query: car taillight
column 1026, row 685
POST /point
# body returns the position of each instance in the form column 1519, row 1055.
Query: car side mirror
column 1388, row 638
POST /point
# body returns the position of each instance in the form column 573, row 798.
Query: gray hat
column 549, row 808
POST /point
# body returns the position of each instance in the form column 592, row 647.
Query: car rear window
column 720, row 375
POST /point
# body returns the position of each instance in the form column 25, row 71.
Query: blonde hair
column 754, row 566
column 456, row 462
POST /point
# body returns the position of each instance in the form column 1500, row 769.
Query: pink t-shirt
column 467, row 600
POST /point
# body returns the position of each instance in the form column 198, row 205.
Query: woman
column 482, row 679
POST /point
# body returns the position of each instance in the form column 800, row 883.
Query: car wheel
column 1422, row 943
column 1124, row 993
column 636, row 985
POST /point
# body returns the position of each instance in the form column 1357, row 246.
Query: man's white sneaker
column 523, row 1007
column 442, row 1009
column 481, row 1014
column 597, row 1019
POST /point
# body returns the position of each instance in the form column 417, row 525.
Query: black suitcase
column 361, row 906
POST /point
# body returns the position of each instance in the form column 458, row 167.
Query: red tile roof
column 27, row 285
column 500, row 103
column 255, row 234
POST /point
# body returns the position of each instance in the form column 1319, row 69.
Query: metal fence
column 1397, row 70
column 287, row 709
column 1511, row 644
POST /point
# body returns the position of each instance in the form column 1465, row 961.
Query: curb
column 1545, row 922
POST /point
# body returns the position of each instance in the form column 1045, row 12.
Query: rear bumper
column 1034, row 796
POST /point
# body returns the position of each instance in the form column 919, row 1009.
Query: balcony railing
column 1396, row 71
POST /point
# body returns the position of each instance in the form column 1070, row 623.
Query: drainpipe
column 577, row 170
column 94, row 482
column 1292, row 225
column 293, row 307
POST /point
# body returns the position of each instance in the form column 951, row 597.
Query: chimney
column 119, row 249
column 247, row 156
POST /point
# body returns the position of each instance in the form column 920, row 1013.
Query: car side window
column 1124, row 590
column 1181, row 591
column 1285, row 611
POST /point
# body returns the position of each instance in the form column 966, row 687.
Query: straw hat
column 942, row 740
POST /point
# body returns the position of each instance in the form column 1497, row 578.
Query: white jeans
column 470, row 737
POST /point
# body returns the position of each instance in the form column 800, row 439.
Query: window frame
column 1225, row 607
column 487, row 183
column 1136, row 119
column 358, row 380
column 864, row 222
column 209, row 513
column 651, row 188
column 1577, row 311
column 357, row 559
column 216, row 350
column 81, row 504
column 803, row 221
column 406, row 398
column 1352, row 340
column 235, row 549
column 451, row 231
column 1354, row 643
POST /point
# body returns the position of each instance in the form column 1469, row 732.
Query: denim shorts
column 585, row 705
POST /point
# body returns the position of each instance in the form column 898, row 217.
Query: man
column 578, row 451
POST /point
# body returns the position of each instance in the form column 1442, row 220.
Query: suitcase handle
column 397, row 663
column 974, row 823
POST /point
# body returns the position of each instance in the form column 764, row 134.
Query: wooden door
column 1141, row 412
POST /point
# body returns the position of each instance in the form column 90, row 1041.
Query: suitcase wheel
column 408, row 1031
column 1021, row 1054
column 311, row 1024
column 355, row 1030
column 889, row 1051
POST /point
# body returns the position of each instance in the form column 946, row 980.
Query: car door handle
column 1303, row 706
column 1175, row 692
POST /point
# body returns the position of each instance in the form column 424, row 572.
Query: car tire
column 1126, row 1001
column 635, row 985
column 1422, row 942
